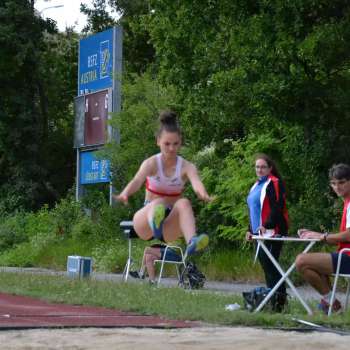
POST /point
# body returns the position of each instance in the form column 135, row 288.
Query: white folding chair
column 336, row 277
column 178, row 264
column 129, row 232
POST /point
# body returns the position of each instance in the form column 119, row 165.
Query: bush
column 12, row 231
column 65, row 214
column 309, row 200
column 109, row 256
column 22, row 255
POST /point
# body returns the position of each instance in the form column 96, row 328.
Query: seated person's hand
column 306, row 233
column 301, row 231
column 248, row 236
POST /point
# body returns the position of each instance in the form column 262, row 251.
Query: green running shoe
column 197, row 243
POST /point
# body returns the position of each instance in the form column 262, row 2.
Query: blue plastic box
column 79, row 266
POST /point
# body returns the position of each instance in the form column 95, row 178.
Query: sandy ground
column 204, row 338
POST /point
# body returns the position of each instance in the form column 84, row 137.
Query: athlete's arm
column 146, row 169
column 196, row 182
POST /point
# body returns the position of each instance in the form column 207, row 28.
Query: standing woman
column 268, row 216
column 167, row 215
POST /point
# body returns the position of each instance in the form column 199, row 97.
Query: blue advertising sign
column 99, row 57
column 92, row 169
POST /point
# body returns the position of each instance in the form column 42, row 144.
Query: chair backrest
column 337, row 274
column 341, row 253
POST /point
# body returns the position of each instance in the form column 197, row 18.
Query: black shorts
column 171, row 254
column 344, row 265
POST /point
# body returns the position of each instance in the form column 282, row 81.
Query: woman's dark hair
column 168, row 122
column 270, row 163
column 339, row 172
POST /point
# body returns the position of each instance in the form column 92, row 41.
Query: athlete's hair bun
column 168, row 122
column 168, row 117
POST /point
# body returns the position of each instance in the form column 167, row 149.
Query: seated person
column 151, row 254
column 316, row 268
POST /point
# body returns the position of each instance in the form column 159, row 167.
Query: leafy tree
column 236, row 62
column 59, row 86
column 98, row 17
column 37, row 71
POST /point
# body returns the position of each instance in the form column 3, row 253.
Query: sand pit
column 202, row 338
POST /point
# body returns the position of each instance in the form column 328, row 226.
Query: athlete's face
column 262, row 168
column 341, row 187
column 169, row 143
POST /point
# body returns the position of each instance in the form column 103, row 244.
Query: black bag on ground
column 191, row 277
column 253, row 298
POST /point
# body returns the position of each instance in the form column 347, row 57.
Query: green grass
column 230, row 265
column 222, row 264
column 175, row 303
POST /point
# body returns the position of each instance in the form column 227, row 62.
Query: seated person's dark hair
column 339, row 172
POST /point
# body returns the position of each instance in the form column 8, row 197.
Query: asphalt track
column 20, row 312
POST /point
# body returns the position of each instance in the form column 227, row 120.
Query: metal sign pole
column 77, row 185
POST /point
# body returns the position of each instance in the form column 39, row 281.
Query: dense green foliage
column 237, row 63
column 47, row 237
column 37, row 79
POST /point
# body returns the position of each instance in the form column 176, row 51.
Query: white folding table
column 284, row 274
